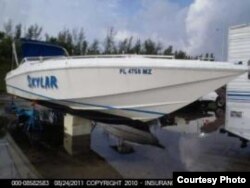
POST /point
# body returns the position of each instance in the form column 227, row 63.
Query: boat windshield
column 33, row 48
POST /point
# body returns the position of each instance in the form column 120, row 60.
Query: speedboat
column 114, row 87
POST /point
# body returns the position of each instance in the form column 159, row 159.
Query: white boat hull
column 161, row 89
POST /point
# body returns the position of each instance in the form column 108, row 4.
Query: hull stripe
column 88, row 104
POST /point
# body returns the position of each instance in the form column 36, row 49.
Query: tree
column 84, row 47
column 122, row 46
column 206, row 57
column 8, row 28
column 34, row 32
column 6, row 41
column 129, row 45
column 18, row 31
column 137, row 47
column 125, row 46
column 109, row 43
column 150, row 47
column 50, row 39
column 2, row 34
column 180, row 55
column 6, row 48
column 211, row 57
column 79, row 42
column 65, row 39
column 158, row 48
column 168, row 51
column 94, row 48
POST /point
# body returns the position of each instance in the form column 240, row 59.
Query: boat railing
column 44, row 58
column 66, row 56
column 123, row 55
column 41, row 58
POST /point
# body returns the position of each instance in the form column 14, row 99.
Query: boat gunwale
column 8, row 76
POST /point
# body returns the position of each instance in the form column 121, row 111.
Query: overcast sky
column 196, row 26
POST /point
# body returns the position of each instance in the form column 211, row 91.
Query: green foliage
column 180, row 55
column 125, row 45
column 137, row 47
column 109, row 42
column 5, row 47
column 151, row 47
column 18, row 31
column 94, row 48
column 2, row 34
column 33, row 32
column 5, row 66
column 7, row 26
column 168, row 51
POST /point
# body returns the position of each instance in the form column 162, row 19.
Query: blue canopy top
column 34, row 48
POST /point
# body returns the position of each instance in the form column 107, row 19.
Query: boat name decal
column 46, row 82
column 144, row 71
